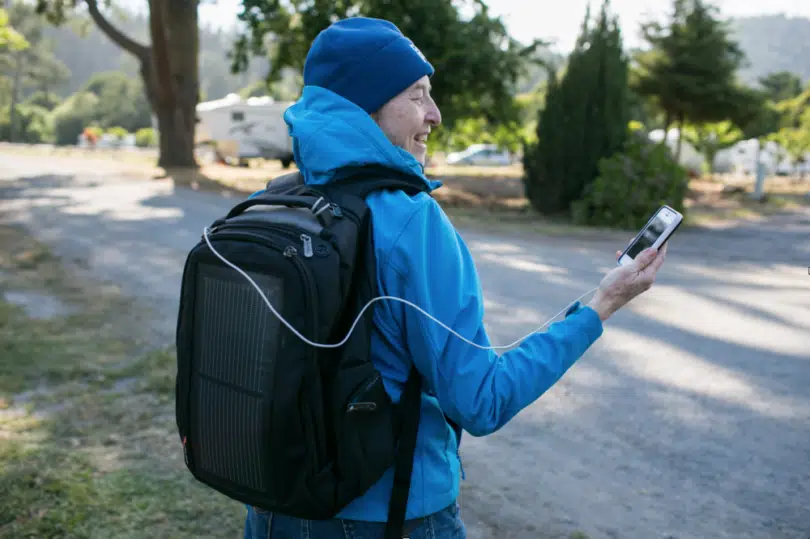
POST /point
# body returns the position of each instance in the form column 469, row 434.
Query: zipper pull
column 307, row 245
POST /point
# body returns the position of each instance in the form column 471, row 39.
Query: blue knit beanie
column 367, row 61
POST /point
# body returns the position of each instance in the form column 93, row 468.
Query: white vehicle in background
column 486, row 155
column 742, row 158
column 690, row 159
column 241, row 129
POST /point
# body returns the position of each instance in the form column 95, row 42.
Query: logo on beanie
column 414, row 47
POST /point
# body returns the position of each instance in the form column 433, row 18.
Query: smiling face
column 408, row 118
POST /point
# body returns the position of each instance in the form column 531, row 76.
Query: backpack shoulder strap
column 285, row 183
column 407, row 427
column 364, row 180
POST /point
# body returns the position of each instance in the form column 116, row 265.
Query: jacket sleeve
column 478, row 389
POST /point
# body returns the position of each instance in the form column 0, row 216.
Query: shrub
column 118, row 132
column 72, row 116
column 33, row 125
column 631, row 185
column 145, row 137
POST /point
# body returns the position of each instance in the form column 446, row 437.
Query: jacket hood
column 330, row 132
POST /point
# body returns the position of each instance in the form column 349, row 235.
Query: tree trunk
column 680, row 139
column 175, row 48
column 711, row 154
column 176, row 142
column 667, row 123
column 15, row 96
column 169, row 71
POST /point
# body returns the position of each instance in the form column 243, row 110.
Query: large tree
column 168, row 67
column 477, row 63
column 691, row 66
column 585, row 118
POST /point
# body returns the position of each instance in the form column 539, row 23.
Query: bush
column 118, row 132
column 631, row 185
column 33, row 125
column 145, row 137
column 72, row 116
column 36, row 124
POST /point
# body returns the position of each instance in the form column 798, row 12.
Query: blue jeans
column 446, row 524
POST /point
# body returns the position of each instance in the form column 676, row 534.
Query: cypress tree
column 584, row 120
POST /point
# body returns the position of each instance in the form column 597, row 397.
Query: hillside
column 774, row 43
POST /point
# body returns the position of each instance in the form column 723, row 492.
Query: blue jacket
column 422, row 258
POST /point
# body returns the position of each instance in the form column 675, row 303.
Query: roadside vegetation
column 88, row 447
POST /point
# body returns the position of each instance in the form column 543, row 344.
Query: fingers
column 652, row 269
column 659, row 260
column 645, row 258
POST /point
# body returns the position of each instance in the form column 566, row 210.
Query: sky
column 560, row 20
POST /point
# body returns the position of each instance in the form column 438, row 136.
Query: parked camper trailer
column 741, row 158
column 243, row 129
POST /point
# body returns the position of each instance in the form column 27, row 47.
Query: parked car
column 480, row 155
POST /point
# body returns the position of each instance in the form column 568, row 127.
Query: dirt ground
column 498, row 190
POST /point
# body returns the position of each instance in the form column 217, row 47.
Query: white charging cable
column 206, row 231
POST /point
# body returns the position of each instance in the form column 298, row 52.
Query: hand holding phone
column 638, row 264
column 625, row 282
column 661, row 226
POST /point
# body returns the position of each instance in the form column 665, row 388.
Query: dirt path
column 690, row 418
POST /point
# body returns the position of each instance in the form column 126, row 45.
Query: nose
column 434, row 115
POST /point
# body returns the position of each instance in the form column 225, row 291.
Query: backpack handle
column 273, row 200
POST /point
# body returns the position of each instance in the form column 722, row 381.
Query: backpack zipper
column 307, row 245
column 291, row 255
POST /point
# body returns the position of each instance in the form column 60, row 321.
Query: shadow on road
column 692, row 420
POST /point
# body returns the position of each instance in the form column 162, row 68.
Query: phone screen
column 648, row 236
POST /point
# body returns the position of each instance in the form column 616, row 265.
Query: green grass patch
column 61, row 492
column 88, row 442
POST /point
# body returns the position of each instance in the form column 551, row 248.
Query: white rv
column 242, row 129
column 741, row 158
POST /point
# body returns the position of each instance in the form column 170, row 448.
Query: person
column 367, row 100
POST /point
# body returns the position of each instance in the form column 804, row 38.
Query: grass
column 88, row 444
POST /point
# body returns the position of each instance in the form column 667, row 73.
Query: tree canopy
column 690, row 70
column 478, row 64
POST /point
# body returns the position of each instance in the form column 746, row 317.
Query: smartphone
column 661, row 226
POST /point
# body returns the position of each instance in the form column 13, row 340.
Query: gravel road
column 690, row 418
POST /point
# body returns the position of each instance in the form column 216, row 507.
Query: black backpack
column 265, row 418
